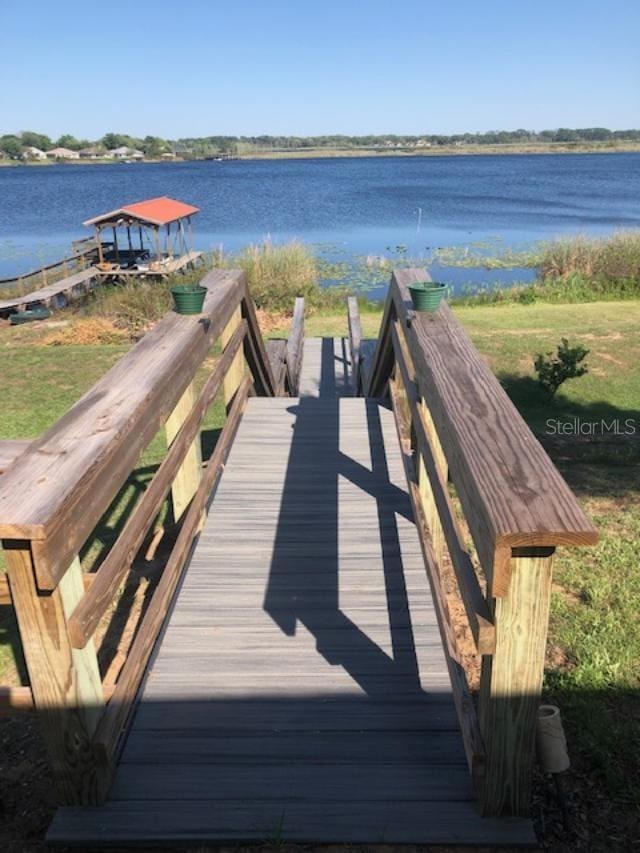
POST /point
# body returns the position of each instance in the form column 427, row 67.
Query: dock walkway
column 65, row 289
column 300, row 690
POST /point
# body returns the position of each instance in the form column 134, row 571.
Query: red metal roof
column 155, row 211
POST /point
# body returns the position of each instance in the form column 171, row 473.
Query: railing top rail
column 59, row 488
column 512, row 494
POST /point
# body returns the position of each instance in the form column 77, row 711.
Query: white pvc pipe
column 551, row 743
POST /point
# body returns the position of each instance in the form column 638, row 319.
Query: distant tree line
column 14, row 145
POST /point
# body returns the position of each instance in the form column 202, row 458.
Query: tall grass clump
column 135, row 305
column 277, row 274
column 606, row 262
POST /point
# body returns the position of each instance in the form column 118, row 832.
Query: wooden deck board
column 45, row 295
column 10, row 450
column 300, row 683
column 325, row 368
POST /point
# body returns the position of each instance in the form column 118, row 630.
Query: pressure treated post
column 236, row 372
column 512, row 683
column 189, row 474
column 65, row 682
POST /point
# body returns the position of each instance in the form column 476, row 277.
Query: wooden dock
column 171, row 266
column 296, row 673
column 301, row 687
column 52, row 295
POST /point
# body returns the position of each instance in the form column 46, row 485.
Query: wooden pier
column 54, row 295
column 296, row 675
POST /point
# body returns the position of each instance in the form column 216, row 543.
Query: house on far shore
column 168, row 155
column 125, row 153
column 63, row 154
column 94, row 152
column 33, row 153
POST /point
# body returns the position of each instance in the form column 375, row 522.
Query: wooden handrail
column 10, row 450
column 511, row 493
column 4, row 282
column 475, row 604
column 113, row 570
column 57, row 491
column 455, row 421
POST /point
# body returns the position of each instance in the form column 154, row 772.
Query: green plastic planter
column 188, row 298
column 427, row 295
column 28, row 316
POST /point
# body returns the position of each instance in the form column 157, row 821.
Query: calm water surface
column 346, row 207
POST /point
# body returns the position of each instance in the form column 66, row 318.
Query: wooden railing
column 49, row 273
column 459, row 430
column 56, row 491
column 355, row 344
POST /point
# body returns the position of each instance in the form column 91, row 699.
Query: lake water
column 345, row 207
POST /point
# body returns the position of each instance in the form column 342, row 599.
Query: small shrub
column 566, row 364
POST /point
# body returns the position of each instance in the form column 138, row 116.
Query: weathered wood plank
column 360, row 748
column 336, row 714
column 277, row 353
column 355, row 342
column 254, row 350
column 295, row 345
column 187, row 475
column 380, row 821
column 10, row 450
column 275, row 782
column 237, row 368
column 367, row 352
column 325, row 368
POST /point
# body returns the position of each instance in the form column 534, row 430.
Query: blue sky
column 192, row 68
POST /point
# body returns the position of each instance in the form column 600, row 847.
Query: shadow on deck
column 300, row 691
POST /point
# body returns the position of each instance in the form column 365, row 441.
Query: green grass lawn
column 594, row 657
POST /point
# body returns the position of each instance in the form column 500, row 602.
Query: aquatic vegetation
column 606, row 259
column 487, row 255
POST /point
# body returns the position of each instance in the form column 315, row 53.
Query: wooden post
column 512, row 682
column 65, row 682
column 236, row 372
column 189, row 474
column 115, row 245
column 99, row 242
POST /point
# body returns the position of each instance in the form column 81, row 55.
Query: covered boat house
column 147, row 238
